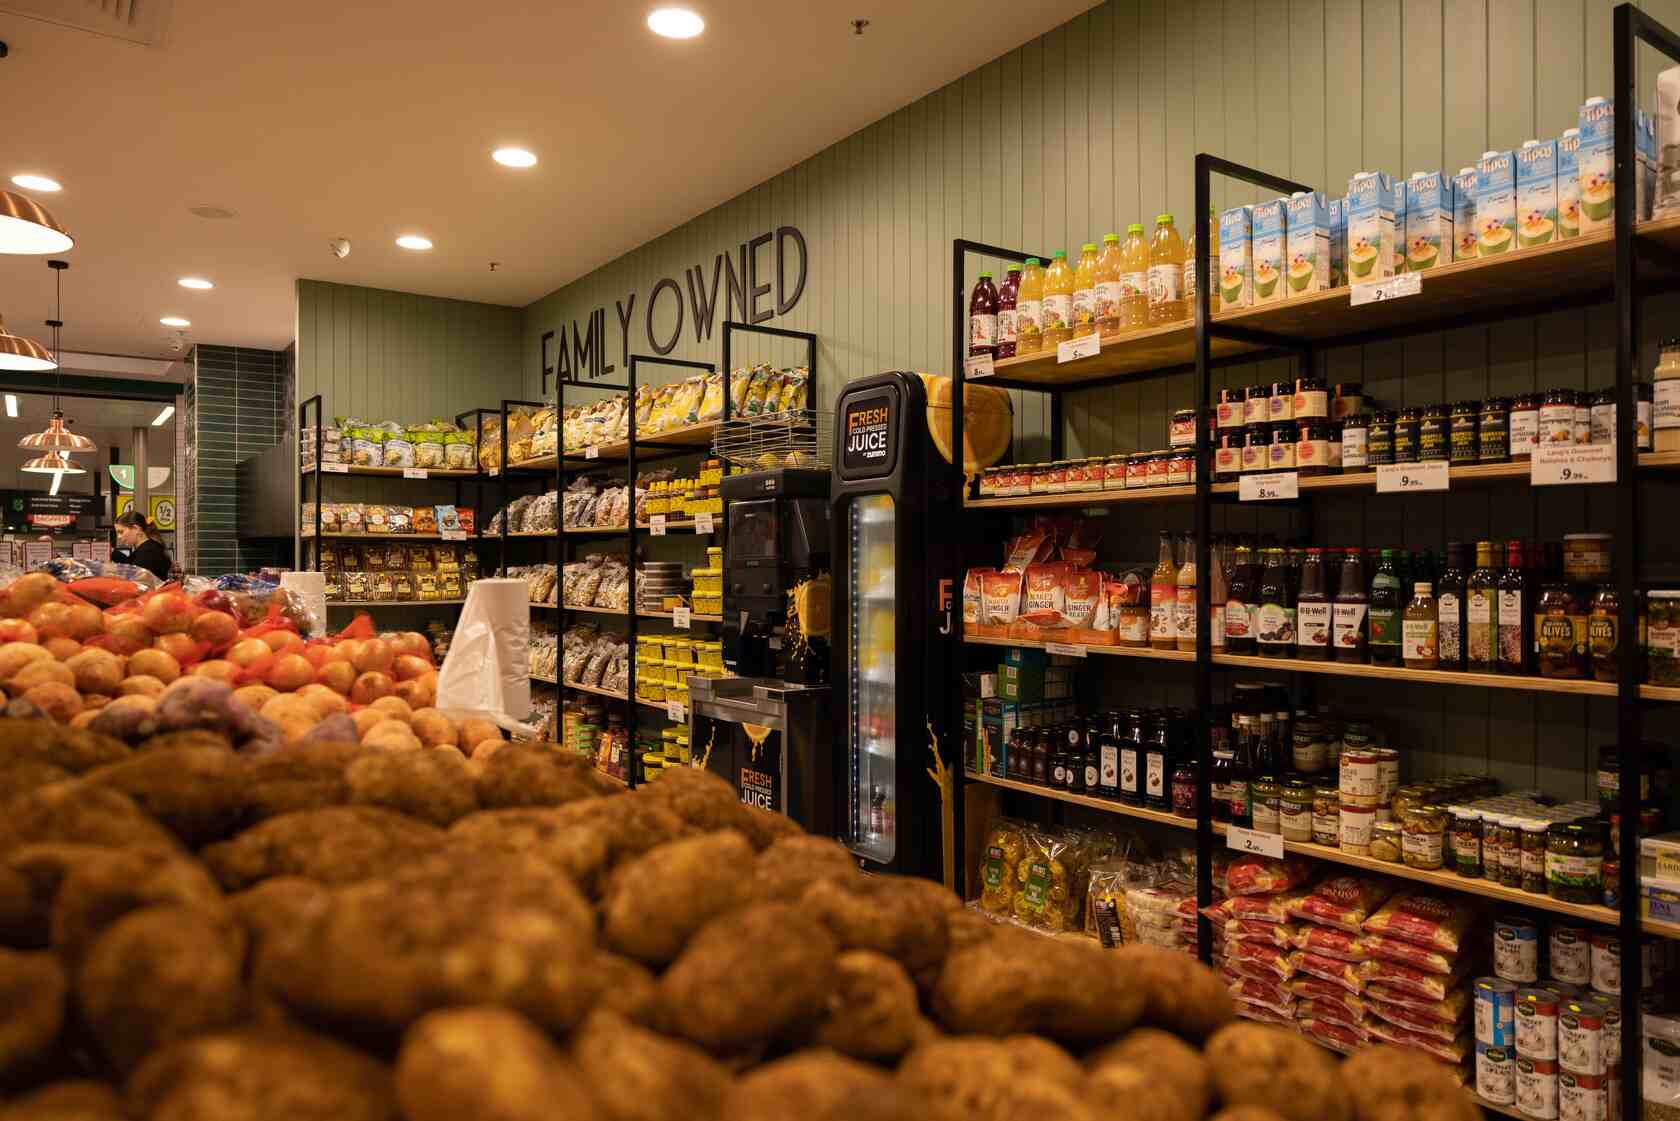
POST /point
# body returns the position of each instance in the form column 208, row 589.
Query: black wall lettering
column 701, row 303
column 653, row 302
column 583, row 349
column 785, row 303
column 752, row 272
column 735, row 307
column 625, row 310
column 547, row 363
column 563, row 361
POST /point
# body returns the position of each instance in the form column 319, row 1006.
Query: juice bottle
column 1085, row 292
column 1163, row 598
column 1108, row 285
column 982, row 317
column 1184, row 617
column 1008, row 329
column 1190, row 266
column 1134, row 280
column 1166, row 273
column 1029, row 309
column 1058, row 302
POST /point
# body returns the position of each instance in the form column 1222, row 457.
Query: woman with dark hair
column 138, row 544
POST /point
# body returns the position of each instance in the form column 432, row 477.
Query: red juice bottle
column 1007, row 291
column 983, row 318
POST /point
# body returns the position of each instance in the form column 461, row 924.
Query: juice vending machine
column 894, row 623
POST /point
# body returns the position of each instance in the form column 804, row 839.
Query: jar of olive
column 1406, row 433
column 1602, row 624
column 1560, row 632
column 1295, row 810
column 1327, row 814
column 1266, row 804
column 1466, row 422
column 1662, row 638
column 1386, row 841
column 1467, row 842
column 1534, row 855
column 1423, row 836
column 1510, row 851
column 1575, row 861
column 1493, row 438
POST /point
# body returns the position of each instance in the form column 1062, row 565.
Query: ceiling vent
column 137, row 21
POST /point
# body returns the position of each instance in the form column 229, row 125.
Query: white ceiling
column 319, row 119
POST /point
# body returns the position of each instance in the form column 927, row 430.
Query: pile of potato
column 166, row 662
column 334, row 932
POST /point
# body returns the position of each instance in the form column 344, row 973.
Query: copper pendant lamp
column 28, row 227
column 56, row 440
column 56, row 437
column 51, row 463
column 23, row 354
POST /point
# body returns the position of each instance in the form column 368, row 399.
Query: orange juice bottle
column 1108, row 286
column 1085, row 292
column 1058, row 301
column 1134, row 280
column 1029, row 309
column 1166, row 273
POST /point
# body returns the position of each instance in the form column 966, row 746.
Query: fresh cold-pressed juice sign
column 868, row 422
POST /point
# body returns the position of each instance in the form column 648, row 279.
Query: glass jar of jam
column 1281, row 455
column 1582, row 424
column 1228, row 408
column 1227, row 453
column 1158, row 463
column 1406, row 431
column 1524, row 425
column 1056, row 476
column 1257, row 448
column 1560, row 633
column 1575, row 861
column 1312, row 446
column 1181, row 467
column 1557, row 417
column 1281, row 405
column 1183, row 432
column 1379, row 440
column 1433, row 434
column 1184, row 788
column 1257, row 405
column 1466, row 425
column 1311, row 398
column 1333, row 459
column 1355, row 442
column 1493, row 437
column 1040, row 483
column 1114, row 472
column 1603, row 623
column 1346, row 399
column 1137, row 470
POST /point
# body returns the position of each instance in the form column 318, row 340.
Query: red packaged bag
column 1330, row 942
column 1263, row 993
column 1451, row 1009
column 1409, row 953
column 1308, row 987
column 1279, row 934
column 1344, row 902
column 1259, row 969
column 1415, row 1019
column 1332, row 1010
column 1343, row 973
column 1335, row 1035
column 1276, row 962
column 1262, row 908
column 1262, row 875
column 1451, row 1051
column 1250, row 1011
column 1431, row 986
column 1425, row 920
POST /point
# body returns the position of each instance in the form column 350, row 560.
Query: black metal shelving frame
column 1642, row 268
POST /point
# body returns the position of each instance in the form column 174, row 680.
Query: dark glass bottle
column 1386, row 605
column 1239, row 603
column 1348, row 614
column 1015, row 755
column 1157, row 763
column 1089, row 756
column 1275, row 621
column 1131, row 752
column 1239, row 775
column 1312, row 610
column 1514, row 628
column 1449, row 604
column 1040, row 773
column 1074, row 735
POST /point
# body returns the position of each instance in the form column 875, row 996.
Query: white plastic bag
column 487, row 671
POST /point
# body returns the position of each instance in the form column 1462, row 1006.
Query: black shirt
column 151, row 556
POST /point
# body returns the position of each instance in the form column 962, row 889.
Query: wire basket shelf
column 795, row 438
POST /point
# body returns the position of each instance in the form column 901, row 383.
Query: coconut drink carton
column 1308, row 241
column 1269, row 249
column 1595, row 164
column 1429, row 220
column 1537, row 203
column 1399, row 224
column 1337, row 208
column 1464, row 214
column 1370, row 237
column 1496, row 204
column 1645, row 157
column 1568, row 185
column 1236, row 257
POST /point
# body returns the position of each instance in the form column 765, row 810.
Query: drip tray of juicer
column 748, row 700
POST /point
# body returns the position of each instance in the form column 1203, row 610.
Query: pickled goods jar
column 1586, row 557
column 1466, row 424
column 1386, row 841
column 1434, row 432
column 1423, row 830
column 1524, row 425
column 1602, row 624
column 1662, row 636
column 1295, row 810
column 1327, row 820
column 1407, row 426
column 1575, row 861
column 1267, row 804
column 1056, row 477
column 1379, row 440
column 1560, row 633
column 1534, row 855
column 1467, row 842
column 1356, row 431
column 1493, row 437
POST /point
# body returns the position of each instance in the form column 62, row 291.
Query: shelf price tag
column 335, row 468
column 1269, row 487
column 593, row 451
column 1378, row 291
column 656, row 525
column 980, row 366
column 1087, row 347
column 1556, row 464
column 703, row 523
column 1260, row 844
column 682, row 618
column 453, row 534
column 414, row 472
column 1071, row 649
column 674, row 711
column 1410, row 478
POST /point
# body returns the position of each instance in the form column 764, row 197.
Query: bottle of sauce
column 1075, row 737
column 1131, row 751
column 1008, row 329
column 1163, row 598
column 1029, row 309
column 1093, row 747
column 1275, row 620
column 1313, row 610
column 1348, row 614
column 1219, row 591
column 1184, row 616
column 1420, row 634
column 1241, row 774
column 1386, row 608
column 1057, row 309
column 1513, row 613
column 982, row 318
column 1449, row 608
column 1085, row 292
column 1108, row 761
column 1157, row 764
column 1166, row 273
column 1219, row 779
column 1244, row 587
column 1481, row 613
column 1108, row 286
column 1134, row 279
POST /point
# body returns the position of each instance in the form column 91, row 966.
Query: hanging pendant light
column 23, row 354
column 28, row 227
column 52, row 463
column 56, row 440
column 56, row 437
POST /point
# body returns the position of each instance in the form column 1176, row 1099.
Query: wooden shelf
column 541, row 680
column 393, row 472
column 671, row 615
column 395, row 602
column 1111, row 651
column 696, row 436
column 397, row 537
column 1104, row 804
column 1075, row 499
column 1660, row 928
column 599, row 692
column 641, row 527
column 585, row 610
column 1520, row 683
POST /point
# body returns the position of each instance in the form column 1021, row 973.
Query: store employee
column 138, row 544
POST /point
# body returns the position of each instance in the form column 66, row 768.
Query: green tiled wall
column 238, row 400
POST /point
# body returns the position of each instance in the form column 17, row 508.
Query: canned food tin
column 1581, row 1037
column 1606, row 957
column 1582, row 1097
column 1361, row 774
column 1537, row 1012
column 1537, row 1088
column 1516, row 949
column 1571, row 954
column 1496, row 1012
column 1495, row 1074
column 1357, row 825
column 1610, row 1010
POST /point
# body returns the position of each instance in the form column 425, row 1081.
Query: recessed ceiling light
column 175, row 321
column 163, row 417
column 11, row 405
column 414, row 241
column 36, row 183
column 675, row 23
column 514, row 157
column 196, row 283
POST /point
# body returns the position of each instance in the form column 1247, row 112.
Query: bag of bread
column 1029, row 548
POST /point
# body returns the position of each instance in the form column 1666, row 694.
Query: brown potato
column 434, row 728
column 475, row 731
column 1153, row 1072
column 335, row 846
column 394, row 708
column 1020, row 982
column 1258, row 1064
column 994, row 1079
column 32, row 997
column 43, row 741
column 66, row 1101
column 274, row 1073
column 655, row 903
column 41, row 673
column 1395, row 1084
column 16, row 655
column 576, row 849
column 872, row 1013
column 623, row 987
column 57, row 700
column 192, row 790
column 326, row 700
column 902, row 917
column 97, row 671
column 61, row 647
column 1180, row 994
column 143, row 685
column 785, row 869
column 529, row 775
column 638, row 1075
column 428, row 786
column 80, row 814
column 490, row 1063
column 159, row 664
column 1247, row 1113
column 807, row 1086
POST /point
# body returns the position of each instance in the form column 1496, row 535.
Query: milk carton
column 1537, row 202
column 1400, row 225
column 1338, row 241
column 1645, row 156
column 1269, row 248
column 1236, row 257
column 1370, row 227
column 1308, row 240
column 1496, row 204
column 1429, row 220
column 1569, row 185
column 1595, row 164
column 1464, row 214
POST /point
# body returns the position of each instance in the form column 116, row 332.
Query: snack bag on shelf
column 1453, row 1051
column 1343, row 973
column 490, row 443
column 367, row 447
column 1386, row 975
column 1263, row 994
column 1424, row 920
column 1349, row 1007
column 1043, row 598
column 1263, row 908
column 1344, row 902
column 1276, row 963
column 1006, row 845
column 973, row 581
column 1453, row 1008
column 793, row 390
column 458, row 450
column 1332, row 1011
column 1085, row 607
column 1411, row 954
column 1262, row 875
column 1417, row 1020
column 1281, row 935
column 1001, row 598
column 1341, row 1037
column 1045, row 888
column 399, row 450
column 1331, row 942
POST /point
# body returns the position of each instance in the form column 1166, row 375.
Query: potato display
column 335, row 931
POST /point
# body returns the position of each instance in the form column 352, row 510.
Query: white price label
column 1377, row 291
column 980, row 366
column 414, row 472
column 1266, row 488
column 1071, row 649
column 703, row 523
column 592, row 452
column 453, row 534
column 1407, row 478
column 493, row 472
column 682, row 618
column 1087, row 347
column 656, row 525
column 1260, row 844
column 1555, row 464
column 674, row 710
column 336, row 468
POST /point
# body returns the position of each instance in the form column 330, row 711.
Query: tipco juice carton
column 1496, row 204
column 1429, row 220
column 1464, row 214
column 1236, row 257
column 1338, row 241
column 1595, row 164
column 1569, row 185
column 1308, row 241
column 1269, row 248
column 1370, row 227
column 1537, row 203
column 1400, row 225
